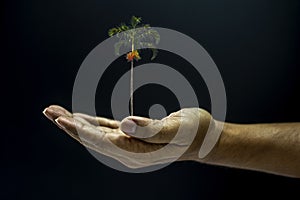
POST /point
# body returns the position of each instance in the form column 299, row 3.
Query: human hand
column 183, row 131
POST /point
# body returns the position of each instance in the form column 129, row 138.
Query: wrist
column 209, row 131
column 221, row 137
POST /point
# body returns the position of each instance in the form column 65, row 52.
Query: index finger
column 99, row 121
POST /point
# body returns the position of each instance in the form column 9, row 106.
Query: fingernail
column 60, row 125
column 45, row 112
column 128, row 126
column 141, row 121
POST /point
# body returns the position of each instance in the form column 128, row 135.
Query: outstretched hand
column 135, row 134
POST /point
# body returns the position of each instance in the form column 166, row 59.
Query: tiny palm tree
column 134, row 36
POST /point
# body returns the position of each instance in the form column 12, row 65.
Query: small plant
column 134, row 36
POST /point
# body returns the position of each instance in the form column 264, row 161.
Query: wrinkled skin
column 97, row 132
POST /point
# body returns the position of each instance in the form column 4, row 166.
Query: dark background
column 255, row 45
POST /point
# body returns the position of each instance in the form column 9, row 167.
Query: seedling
column 134, row 36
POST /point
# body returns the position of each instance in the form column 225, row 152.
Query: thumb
column 149, row 130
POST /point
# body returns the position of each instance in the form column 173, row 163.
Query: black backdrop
column 255, row 44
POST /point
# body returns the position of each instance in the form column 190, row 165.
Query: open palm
column 135, row 134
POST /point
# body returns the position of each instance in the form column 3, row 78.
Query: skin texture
column 272, row 148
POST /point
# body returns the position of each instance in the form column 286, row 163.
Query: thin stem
column 131, row 89
column 131, row 78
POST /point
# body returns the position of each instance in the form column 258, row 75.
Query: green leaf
column 146, row 45
column 154, row 53
column 124, row 27
column 135, row 21
column 118, row 45
column 112, row 31
column 155, row 35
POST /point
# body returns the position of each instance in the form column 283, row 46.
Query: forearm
column 273, row 148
